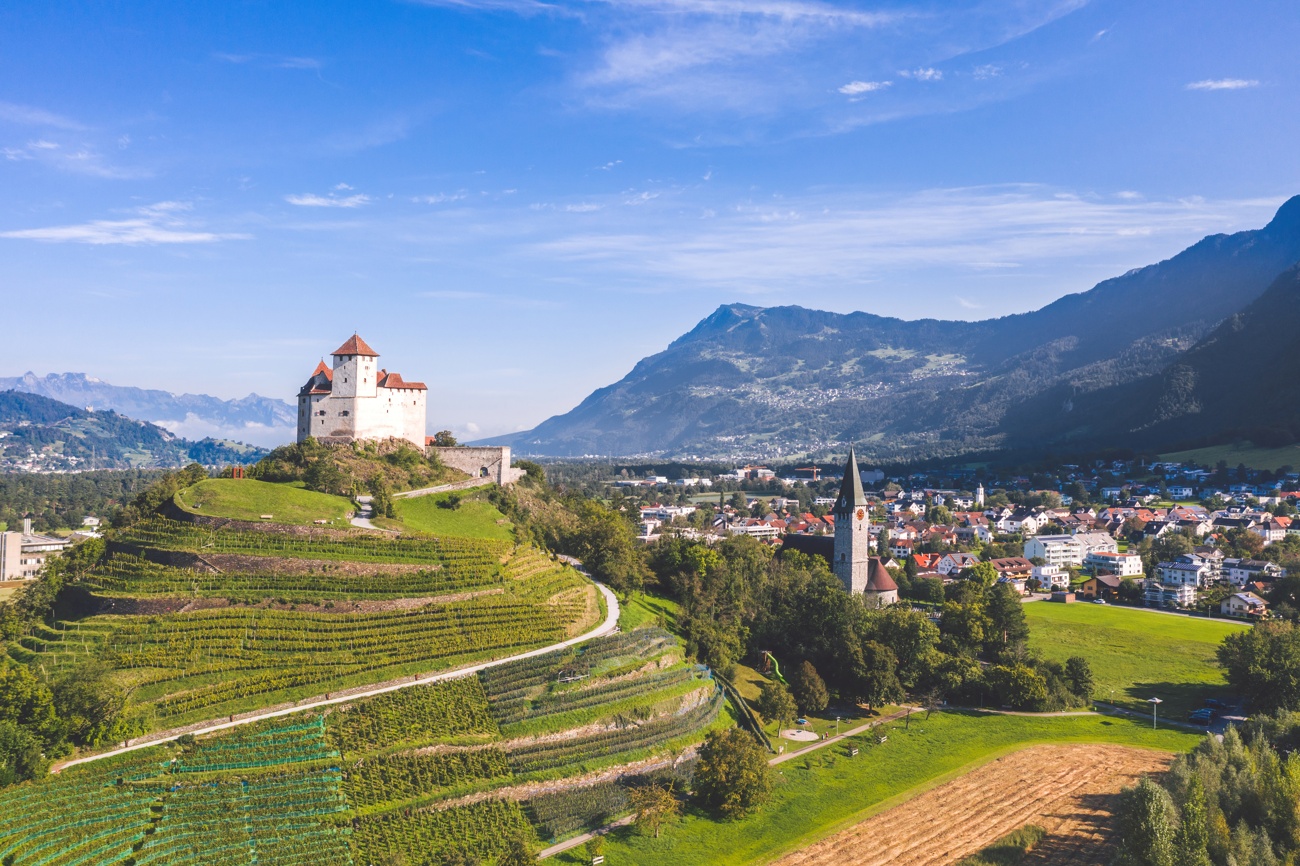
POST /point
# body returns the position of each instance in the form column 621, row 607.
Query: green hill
column 250, row 499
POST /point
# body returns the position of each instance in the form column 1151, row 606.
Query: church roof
column 851, row 493
column 355, row 346
column 878, row 579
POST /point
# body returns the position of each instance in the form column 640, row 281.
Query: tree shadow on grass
column 1177, row 699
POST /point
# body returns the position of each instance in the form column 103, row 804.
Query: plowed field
column 1069, row 791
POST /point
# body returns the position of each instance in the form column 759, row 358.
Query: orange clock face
column 861, row 513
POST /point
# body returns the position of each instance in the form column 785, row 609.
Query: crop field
column 1068, row 791
column 1138, row 654
column 431, row 515
column 829, row 791
column 248, row 499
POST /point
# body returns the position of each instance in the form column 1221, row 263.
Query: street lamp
column 837, row 726
column 1155, row 703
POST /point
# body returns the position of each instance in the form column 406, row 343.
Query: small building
column 1063, row 597
column 1121, row 564
column 1102, row 586
column 1012, row 566
column 1159, row 594
column 1053, row 576
column 1246, row 605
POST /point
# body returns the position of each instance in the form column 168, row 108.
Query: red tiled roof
column 878, row 579
column 321, row 368
column 394, row 380
column 355, row 346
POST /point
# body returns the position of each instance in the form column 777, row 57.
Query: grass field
column 1139, row 654
column 641, row 608
column 827, row 791
column 249, row 499
column 473, row 518
column 1238, row 453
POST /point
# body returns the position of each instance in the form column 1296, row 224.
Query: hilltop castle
column 355, row 399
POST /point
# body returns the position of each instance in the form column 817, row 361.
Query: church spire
column 851, row 493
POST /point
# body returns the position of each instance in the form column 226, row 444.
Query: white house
column 1244, row 604
column 1055, row 549
column 1159, row 594
column 1121, row 564
column 954, row 563
column 1051, row 575
column 1244, row 571
column 1187, row 570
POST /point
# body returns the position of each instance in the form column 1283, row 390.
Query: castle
column 849, row 552
column 355, row 399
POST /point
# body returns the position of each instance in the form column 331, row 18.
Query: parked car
column 1213, row 704
column 1099, row 601
column 1203, row 716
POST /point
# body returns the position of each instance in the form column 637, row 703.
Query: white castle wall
column 479, row 462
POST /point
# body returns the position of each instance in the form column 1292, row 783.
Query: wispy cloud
column 27, row 115
column 270, row 61
column 1223, row 84
column 440, row 198
column 923, row 74
column 159, row 223
column 77, row 159
column 312, row 200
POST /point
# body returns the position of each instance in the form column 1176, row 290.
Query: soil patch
column 1069, row 791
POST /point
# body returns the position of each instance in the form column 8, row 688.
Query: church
column 849, row 552
column 354, row 398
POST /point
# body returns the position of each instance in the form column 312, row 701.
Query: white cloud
column 610, row 165
column 312, row 200
column 584, row 207
column 986, row 71
column 967, row 304
column 157, row 223
column 27, row 115
column 923, row 74
column 856, row 88
column 275, row 61
column 342, row 186
column 1223, row 84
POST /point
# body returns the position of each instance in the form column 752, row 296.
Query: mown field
column 1139, row 654
column 249, row 499
column 828, row 791
column 432, row 515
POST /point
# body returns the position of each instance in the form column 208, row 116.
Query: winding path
column 609, row 626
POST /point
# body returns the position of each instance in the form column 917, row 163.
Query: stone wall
column 493, row 462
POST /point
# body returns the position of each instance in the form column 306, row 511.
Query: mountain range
column 255, row 419
column 44, row 435
column 1195, row 348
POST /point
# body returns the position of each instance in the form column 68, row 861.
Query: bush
column 733, row 776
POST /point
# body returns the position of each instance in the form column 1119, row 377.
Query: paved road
column 362, row 518
column 582, row 839
column 609, row 626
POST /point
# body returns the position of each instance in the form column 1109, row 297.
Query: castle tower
column 355, row 373
column 852, row 530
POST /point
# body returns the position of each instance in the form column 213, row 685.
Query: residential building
column 1102, row 586
column 1012, row 566
column 1053, row 576
column 1244, row 604
column 23, row 553
column 1159, row 594
column 1244, row 571
column 955, row 563
column 1055, row 549
column 1188, row 570
column 1120, row 564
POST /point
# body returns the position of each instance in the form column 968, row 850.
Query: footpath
column 582, row 839
column 609, row 626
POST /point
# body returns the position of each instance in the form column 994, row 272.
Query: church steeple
column 851, row 495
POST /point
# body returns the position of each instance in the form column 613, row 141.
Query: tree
column 21, row 757
column 517, row 853
column 809, row 689
column 89, row 702
column 1191, row 841
column 874, row 678
column 1146, row 827
column 733, row 775
column 445, row 439
column 982, row 573
column 776, row 704
column 653, row 805
column 1078, row 675
column 939, row 515
column 1006, row 613
column 1018, row 686
column 1263, row 665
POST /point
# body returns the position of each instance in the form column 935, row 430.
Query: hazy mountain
column 255, row 419
column 41, row 434
column 782, row 380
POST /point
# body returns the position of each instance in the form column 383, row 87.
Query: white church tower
column 979, row 495
column 852, row 562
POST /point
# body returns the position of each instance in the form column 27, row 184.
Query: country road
column 609, row 626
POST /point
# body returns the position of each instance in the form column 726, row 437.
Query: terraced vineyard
column 276, row 632
column 411, row 776
column 201, row 621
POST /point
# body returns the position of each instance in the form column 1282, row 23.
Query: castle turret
column 355, row 371
column 851, row 562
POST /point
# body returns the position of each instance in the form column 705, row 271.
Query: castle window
column 344, row 413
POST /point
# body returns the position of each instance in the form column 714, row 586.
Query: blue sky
column 515, row 200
